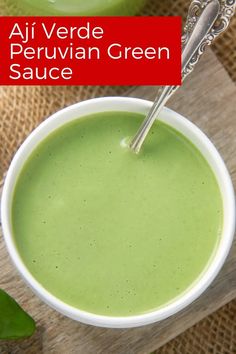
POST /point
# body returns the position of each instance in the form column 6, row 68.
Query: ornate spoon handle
column 205, row 21
column 226, row 11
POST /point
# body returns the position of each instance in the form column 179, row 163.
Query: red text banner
column 90, row 51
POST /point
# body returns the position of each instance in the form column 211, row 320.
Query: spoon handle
column 226, row 9
column 205, row 21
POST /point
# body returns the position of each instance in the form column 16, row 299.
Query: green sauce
column 81, row 7
column 111, row 232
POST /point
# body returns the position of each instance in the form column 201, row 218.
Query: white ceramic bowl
column 179, row 123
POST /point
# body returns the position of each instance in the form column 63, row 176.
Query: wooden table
column 209, row 100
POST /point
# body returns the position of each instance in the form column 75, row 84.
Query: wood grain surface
column 208, row 99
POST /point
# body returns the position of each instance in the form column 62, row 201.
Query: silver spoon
column 205, row 21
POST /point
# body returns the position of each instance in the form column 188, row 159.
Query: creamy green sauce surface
column 111, row 232
column 80, row 7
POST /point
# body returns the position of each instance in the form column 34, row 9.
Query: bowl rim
column 187, row 128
